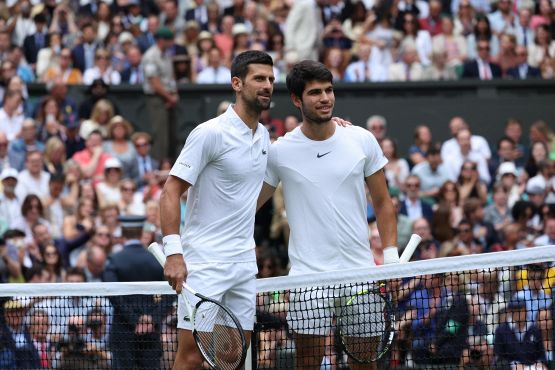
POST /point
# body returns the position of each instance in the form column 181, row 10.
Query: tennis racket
column 366, row 320
column 216, row 330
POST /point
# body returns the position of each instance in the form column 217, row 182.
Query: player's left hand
column 341, row 122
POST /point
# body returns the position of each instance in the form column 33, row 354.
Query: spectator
column 522, row 70
column 538, row 152
column 147, row 39
column 377, row 125
column 102, row 70
column 169, row 17
column 17, row 338
column 507, row 176
column 540, row 131
column 365, row 68
column 409, row 68
column 463, row 12
column 432, row 23
column 442, row 224
column 48, row 56
column 73, row 223
column 422, row 143
column 108, row 191
column 63, row 22
column 481, row 67
column 432, row 174
column 6, row 158
column 470, row 185
column 467, row 148
column 511, row 236
column 449, row 195
column 507, row 58
column 10, row 204
column 63, row 70
column 506, row 152
column 484, row 231
column 83, row 55
column 413, row 206
column 5, row 44
column 119, row 146
column 33, row 180
column 335, row 61
column 482, row 31
column 161, row 91
column 35, row 41
column 48, row 118
column 27, row 142
column 214, row 72
column 396, row 169
column 143, row 169
column 32, row 213
column 54, row 156
column 39, row 328
column 21, row 23
column 68, row 107
column 101, row 115
column 11, row 118
column 449, row 42
column 542, row 48
column 513, row 130
column 548, row 236
column 498, row 213
column 96, row 262
column 131, row 201
column 524, row 32
column 133, row 73
column 543, row 14
column 503, row 19
column 420, row 38
column 463, row 244
column 53, row 263
column 198, row 13
column 92, row 158
column 303, row 28
column 429, row 246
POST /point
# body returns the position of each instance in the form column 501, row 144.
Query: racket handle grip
column 156, row 251
column 410, row 248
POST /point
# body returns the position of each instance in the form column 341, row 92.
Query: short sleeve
column 150, row 68
column 198, row 151
column 272, row 177
column 375, row 159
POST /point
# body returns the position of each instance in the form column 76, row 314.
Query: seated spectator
column 92, row 158
column 522, row 70
column 16, row 83
column 481, row 67
column 83, row 53
column 539, row 152
column 102, row 70
column 470, row 185
column 48, row 56
column 409, row 68
column 463, row 244
column 53, row 263
column 449, row 194
column 32, row 213
column 498, row 213
column 214, row 72
column 542, row 48
column 108, row 191
column 432, row 174
column 335, row 61
column 541, row 131
column 102, row 113
column 483, row 230
column 452, row 146
column 413, row 206
column 119, row 146
column 97, row 90
column 396, row 169
column 442, row 223
column 377, row 125
column 421, row 38
column 133, row 73
column 54, row 156
column 26, row 143
column 543, row 14
column 73, row 224
column 404, row 224
column 432, row 23
column 96, row 262
column 11, row 117
column 33, row 179
column 506, row 152
column 40, row 330
column 18, row 348
column 48, row 115
column 63, row 70
column 143, row 170
column 449, row 42
column 503, row 19
column 97, row 335
column 548, row 236
column 7, row 160
column 66, row 104
column 131, row 201
column 512, row 238
column 468, row 152
column 365, row 68
column 429, row 247
column 536, row 191
column 422, row 143
column 518, row 341
column 10, row 204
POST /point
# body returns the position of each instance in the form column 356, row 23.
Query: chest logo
column 321, row 155
column 264, row 152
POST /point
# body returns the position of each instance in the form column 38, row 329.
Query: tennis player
column 222, row 166
column 323, row 168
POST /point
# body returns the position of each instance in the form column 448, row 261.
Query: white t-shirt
column 323, row 189
column 225, row 163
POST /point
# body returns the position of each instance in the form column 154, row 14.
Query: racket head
column 218, row 335
column 366, row 324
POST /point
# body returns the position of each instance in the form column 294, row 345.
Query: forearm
column 170, row 212
column 387, row 222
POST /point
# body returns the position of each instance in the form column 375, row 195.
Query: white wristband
column 390, row 255
column 172, row 245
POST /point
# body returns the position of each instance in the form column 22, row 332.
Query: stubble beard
column 315, row 118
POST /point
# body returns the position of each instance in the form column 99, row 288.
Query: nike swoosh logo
column 321, row 155
column 263, row 152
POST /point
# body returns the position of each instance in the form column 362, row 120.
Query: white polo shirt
column 225, row 165
column 323, row 188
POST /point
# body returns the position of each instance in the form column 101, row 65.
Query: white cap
column 238, row 29
column 507, row 168
column 9, row 172
column 536, row 185
column 126, row 36
column 112, row 163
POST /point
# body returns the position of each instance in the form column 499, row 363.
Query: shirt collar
column 239, row 124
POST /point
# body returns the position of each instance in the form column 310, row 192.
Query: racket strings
column 218, row 336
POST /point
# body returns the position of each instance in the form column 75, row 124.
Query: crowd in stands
column 68, row 169
column 365, row 40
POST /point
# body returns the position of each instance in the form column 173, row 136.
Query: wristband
column 172, row 245
column 390, row 255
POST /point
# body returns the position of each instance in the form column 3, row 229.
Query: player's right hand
column 175, row 272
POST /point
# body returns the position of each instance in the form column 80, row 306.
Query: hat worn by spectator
column 119, row 120
column 192, row 24
column 164, row 33
column 507, row 168
column 534, row 187
column 205, row 35
column 112, row 163
column 239, row 29
column 8, row 173
column 126, row 37
column 131, row 221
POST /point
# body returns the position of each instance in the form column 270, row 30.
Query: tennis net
column 480, row 311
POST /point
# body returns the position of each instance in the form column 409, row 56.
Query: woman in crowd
column 131, row 202
column 108, row 191
column 538, row 152
column 470, row 185
column 543, row 16
column 421, row 38
column 449, row 195
column 464, row 21
column 241, row 39
column 49, row 57
column 119, row 146
column 506, row 58
column 102, row 69
column 334, row 60
column 540, row 131
column 84, row 214
column 102, row 18
column 53, row 263
column 32, row 212
column 101, row 114
column 16, row 83
column 204, row 44
column 482, row 30
column 48, row 113
column 54, row 156
column 442, row 223
column 543, row 47
column 447, row 41
column 422, row 142
column 396, row 169
column 353, row 26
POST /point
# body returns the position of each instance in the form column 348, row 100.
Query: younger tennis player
column 323, row 168
column 222, row 166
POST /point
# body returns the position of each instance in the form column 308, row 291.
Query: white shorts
column 233, row 284
column 314, row 311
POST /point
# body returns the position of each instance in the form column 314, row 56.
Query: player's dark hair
column 304, row 72
column 240, row 64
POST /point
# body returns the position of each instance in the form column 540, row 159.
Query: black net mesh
column 475, row 319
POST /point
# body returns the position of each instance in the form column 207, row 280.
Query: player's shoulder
column 289, row 138
column 358, row 133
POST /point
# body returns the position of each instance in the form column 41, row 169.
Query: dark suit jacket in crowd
column 30, row 48
column 427, row 211
column 134, row 172
column 78, row 56
column 532, row 72
column 470, row 70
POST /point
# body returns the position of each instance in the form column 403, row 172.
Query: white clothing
column 233, row 284
column 11, row 126
column 111, row 77
column 478, row 144
column 27, row 184
column 110, row 194
column 455, row 160
column 10, row 209
column 365, row 71
column 323, row 189
column 210, row 75
column 225, row 163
